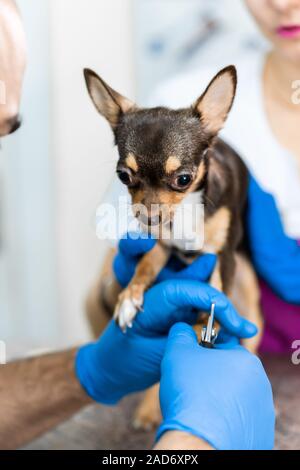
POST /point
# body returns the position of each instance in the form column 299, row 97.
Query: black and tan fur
column 156, row 147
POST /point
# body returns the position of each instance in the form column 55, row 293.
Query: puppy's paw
column 129, row 304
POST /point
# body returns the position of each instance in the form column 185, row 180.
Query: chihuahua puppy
column 171, row 156
column 168, row 158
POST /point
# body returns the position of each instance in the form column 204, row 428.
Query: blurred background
column 57, row 168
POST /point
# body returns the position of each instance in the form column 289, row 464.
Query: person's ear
column 216, row 102
column 107, row 101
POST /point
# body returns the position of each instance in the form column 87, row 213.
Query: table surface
column 101, row 428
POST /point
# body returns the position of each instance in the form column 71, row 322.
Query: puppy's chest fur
column 187, row 233
column 194, row 232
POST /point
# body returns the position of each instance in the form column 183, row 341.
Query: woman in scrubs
column 264, row 128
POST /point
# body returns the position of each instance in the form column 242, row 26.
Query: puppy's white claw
column 126, row 314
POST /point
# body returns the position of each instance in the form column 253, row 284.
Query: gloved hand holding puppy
column 220, row 396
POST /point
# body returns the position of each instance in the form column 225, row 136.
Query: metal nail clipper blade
column 209, row 333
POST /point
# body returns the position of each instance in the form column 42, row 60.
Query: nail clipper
column 209, row 333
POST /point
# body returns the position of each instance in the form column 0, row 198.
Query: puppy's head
column 163, row 151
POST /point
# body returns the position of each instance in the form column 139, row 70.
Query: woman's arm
column 275, row 255
column 37, row 394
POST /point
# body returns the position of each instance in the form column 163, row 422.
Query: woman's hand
column 119, row 364
column 220, row 395
column 132, row 247
column 275, row 255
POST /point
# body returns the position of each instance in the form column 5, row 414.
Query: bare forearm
column 177, row 440
column 37, row 394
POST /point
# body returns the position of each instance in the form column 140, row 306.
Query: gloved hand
column 132, row 248
column 275, row 255
column 221, row 395
column 119, row 364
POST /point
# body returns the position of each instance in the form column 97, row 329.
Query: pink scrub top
column 282, row 322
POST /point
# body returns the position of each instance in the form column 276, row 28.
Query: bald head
column 12, row 65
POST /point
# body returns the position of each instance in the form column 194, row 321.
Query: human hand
column 220, row 395
column 132, row 247
column 119, row 364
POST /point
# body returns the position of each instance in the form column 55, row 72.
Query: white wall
column 96, row 34
column 167, row 28
column 28, row 302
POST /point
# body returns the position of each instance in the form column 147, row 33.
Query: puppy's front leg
column 131, row 299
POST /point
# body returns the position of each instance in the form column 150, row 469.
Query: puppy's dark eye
column 183, row 181
column 125, row 177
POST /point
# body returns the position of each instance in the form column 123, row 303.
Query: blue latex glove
column 132, row 248
column 275, row 255
column 222, row 396
column 119, row 364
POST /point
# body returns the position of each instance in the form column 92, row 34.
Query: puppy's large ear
column 216, row 102
column 107, row 101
